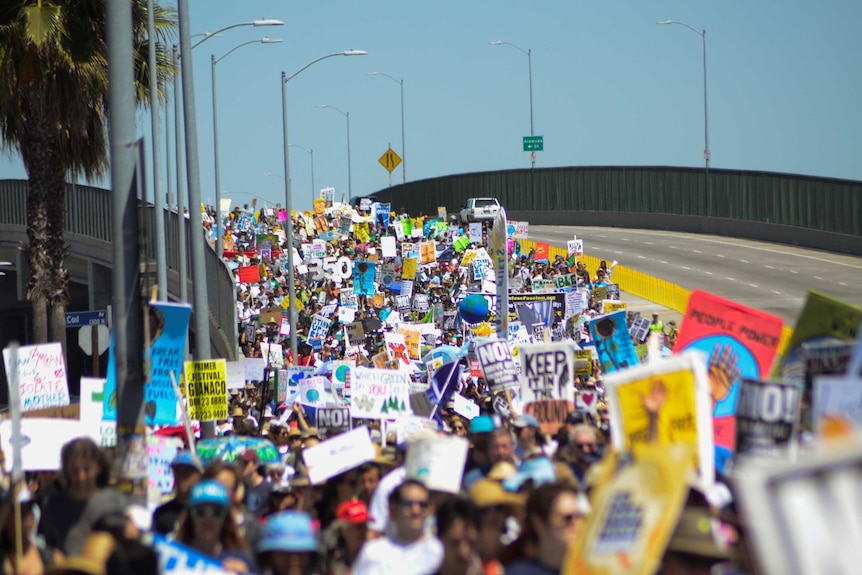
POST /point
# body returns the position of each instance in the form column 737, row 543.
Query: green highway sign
column 534, row 143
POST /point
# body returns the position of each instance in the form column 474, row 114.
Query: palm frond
column 43, row 22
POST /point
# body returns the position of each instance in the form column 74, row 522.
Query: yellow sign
column 427, row 252
column 360, row 231
column 206, row 389
column 583, row 362
column 610, row 306
column 636, row 506
column 412, row 340
column 389, row 160
column 408, row 268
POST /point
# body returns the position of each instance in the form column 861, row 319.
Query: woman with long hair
column 208, row 527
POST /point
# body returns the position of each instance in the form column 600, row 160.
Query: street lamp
column 255, row 23
column 403, row 149
column 203, row 343
column 291, row 283
column 706, row 152
column 214, row 61
column 310, row 152
column 529, row 53
column 349, row 172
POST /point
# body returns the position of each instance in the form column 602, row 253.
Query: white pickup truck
column 478, row 210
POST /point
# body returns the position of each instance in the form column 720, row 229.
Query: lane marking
column 648, row 243
column 730, row 278
column 768, row 267
column 618, row 253
column 818, row 278
column 662, row 262
column 672, row 247
column 794, row 272
column 753, row 285
column 708, row 273
column 686, row 268
column 842, row 284
column 776, row 292
column 697, row 251
column 719, row 256
column 641, row 258
column 744, row 261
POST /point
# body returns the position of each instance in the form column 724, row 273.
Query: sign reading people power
column 548, row 369
column 497, row 365
column 766, row 416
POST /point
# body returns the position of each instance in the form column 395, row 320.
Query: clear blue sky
column 610, row 88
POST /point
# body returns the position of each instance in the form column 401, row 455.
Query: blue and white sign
column 82, row 318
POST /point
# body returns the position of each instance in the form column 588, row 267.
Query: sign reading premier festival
column 497, row 365
column 206, row 384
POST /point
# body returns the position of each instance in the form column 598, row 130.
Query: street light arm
column 503, row 42
column 304, row 149
column 313, row 62
column 692, row 28
column 265, row 40
column 339, row 110
column 393, row 78
column 263, row 22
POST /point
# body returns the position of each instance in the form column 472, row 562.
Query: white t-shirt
column 383, row 556
column 378, row 510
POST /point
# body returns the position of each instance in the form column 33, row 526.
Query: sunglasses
column 571, row 518
column 208, row 512
column 459, row 428
column 411, row 503
column 586, row 446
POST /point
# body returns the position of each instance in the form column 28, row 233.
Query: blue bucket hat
column 187, row 459
column 540, row 471
column 210, row 492
column 290, row 531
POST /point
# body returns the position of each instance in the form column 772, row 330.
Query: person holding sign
column 209, row 528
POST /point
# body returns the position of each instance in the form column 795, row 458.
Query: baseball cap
column 539, row 470
column 250, row 456
column 187, row 459
column 209, row 491
column 353, row 512
column 526, row 420
column 481, row 424
column 290, row 531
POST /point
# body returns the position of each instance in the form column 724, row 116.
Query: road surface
column 772, row 277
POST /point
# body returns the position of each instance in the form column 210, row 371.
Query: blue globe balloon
column 474, row 308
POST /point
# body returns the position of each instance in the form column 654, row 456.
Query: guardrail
column 650, row 288
column 88, row 214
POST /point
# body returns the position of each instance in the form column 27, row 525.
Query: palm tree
column 53, row 112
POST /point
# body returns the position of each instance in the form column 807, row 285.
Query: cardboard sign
column 396, row 348
column 235, row 372
column 206, row 389
column 464, row 407
column 613, row 342
column 474, row 232
column 685, row 417
column 379, row 393
column 41, row 376
column 548, row 370
column 312, row 391
column 767, row 414
column 575, row 248
column 635, row 511
column 43, row 441
column 427, row 253
column 289, row 379
column 551, row 413
column 254, row 368
column 575, row 303
column 438, row 462
column 498, row 367
column 338, row 454
column 412, row 341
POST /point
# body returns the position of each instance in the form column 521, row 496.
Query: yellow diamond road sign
column 389, row 160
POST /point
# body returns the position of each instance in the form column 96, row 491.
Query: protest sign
column 683, row 417
column 565, row 281
column 543, row 286
column 531, row 308
column 379, row 393
column 42, row 441
column 206, row 389
column 169, row 325
column 355, row 332
column 498, row 367
column 474, row 232
column 284, row 327
column 836, row 405
column 427, row 253
column 254, row 367
column 348, row 298
column 420, row 302
column 396, row 348
column 332, row 419
column 407, row 249
column 412, row 341
column 610, row 306
column 289, row 380
column 438, row 462
column 548, row 370
column 612, row 291
column 318, row 330
column 806, row 512
column 464, row 407
column 93, row 423
column 341, row 370
column 767, row 414
column 822, row 317
column 740, row 342
column 161, row 452
column 824, row 357
column 587, row 400
column 41, row 375
column 543, row 252
column 178, row 559
column 636, row 507
column 312, row 391
column 639, row 330
column 583, row 362
column 551, row 413
column 575, row 303
column 499, row 248
column 613, row 342
column 408, row 268
column 338, row 454
column 575, row 248
column 363, row 278
column 235, row 372
column 248, row 274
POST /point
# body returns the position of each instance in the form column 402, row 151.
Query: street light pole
column 529, row 53
column 706, row 152
column 214, row 60
column 158, row 198
column 403, row 146
column 291, row 287
column 310, row 153
column 182, row 248
column 349, row 171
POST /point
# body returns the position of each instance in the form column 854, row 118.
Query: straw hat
column 489, row 493
column 92, row 558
